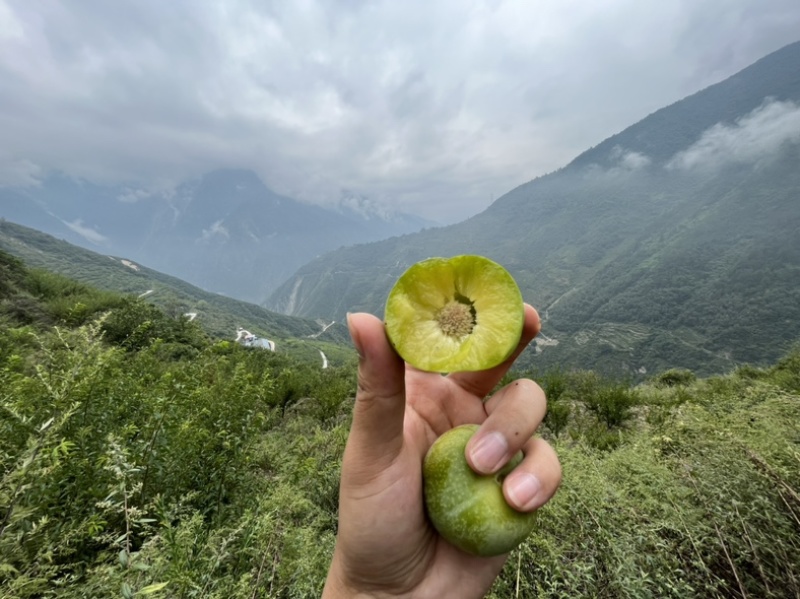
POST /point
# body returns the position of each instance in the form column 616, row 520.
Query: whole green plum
column 469, row 509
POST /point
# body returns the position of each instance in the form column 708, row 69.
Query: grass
column 140, row 457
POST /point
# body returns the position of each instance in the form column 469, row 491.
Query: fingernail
column 489, row 452
column 522, row 489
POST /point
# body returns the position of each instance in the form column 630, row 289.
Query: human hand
column 386, row 547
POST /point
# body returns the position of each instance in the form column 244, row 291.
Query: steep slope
column 673, row 243
column 218, row 315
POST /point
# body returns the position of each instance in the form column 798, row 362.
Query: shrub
column 675, row 377
column 557, row 417
column 165, row 466
column 786, row 373
column 611, row 402
column 135, row 324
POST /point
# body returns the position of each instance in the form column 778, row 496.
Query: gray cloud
column 431, row 107
column 20, row 173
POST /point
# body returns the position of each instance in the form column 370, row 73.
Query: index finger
column 482, row 382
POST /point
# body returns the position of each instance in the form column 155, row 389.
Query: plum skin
column 466, row 508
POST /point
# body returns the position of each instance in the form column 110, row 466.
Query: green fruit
column 455, row 314
column 469, row 509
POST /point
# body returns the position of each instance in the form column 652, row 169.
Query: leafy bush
column 786, row 372
column 12, row 272
column 702, row 504
column 675, row 377
column 554, row 383
column 137, row 459
column 557, row 417
column 612, row 402
column 136, row 324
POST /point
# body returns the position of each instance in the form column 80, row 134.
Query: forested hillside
column 217, row 315
column 140, row 458
column 673, row 243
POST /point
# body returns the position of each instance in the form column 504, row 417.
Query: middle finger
column 514, row 414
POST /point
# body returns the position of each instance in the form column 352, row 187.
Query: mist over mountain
column 672, row 243
column 226, row 232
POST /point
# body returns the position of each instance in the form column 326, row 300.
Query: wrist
column 339, row 586
column 336, row 586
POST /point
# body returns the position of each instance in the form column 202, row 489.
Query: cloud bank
column 752, row 139
column 433, row 107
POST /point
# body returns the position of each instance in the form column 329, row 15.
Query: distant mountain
column 672, row 243
column 227, row 232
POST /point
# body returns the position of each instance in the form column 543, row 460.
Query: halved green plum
column 456, row 314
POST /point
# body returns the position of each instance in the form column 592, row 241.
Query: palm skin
column 386, row 547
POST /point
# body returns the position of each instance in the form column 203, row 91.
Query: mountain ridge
column 722, row 102
column 631, row 236
column 226, row 232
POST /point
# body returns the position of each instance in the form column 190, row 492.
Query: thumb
column 376, row 435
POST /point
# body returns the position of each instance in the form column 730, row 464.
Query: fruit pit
column 456, row 319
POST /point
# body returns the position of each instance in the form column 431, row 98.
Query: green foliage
column 67, row 301
column 42, row 298
column 135, row 324
column 125, row 468
column 675, row 377
column 557, row 417
column 138, row 459
column 133, row 452
column 47, row 298
column 555, row 384
column 610, row 401
column 786, row 373
column 587, row 406
column 12, row 271
column 702, row 504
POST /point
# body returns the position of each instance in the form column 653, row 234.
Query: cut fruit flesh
column 455, row 314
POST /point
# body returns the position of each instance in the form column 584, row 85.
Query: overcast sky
column 434, row 107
